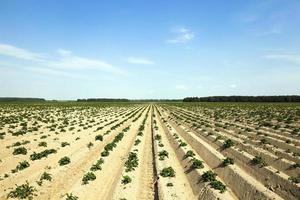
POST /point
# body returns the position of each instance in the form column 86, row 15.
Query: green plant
column 209, row 176
column 104, row 153
column 132, row 162
column 45, row 153
column 90, row 145
column 99, row 137
column 218, row 185
column 90, row 176
column 126, row 179
column 42, row 144
column 188, row 154
column 169, row 184
column 20, row 150
column 157, row 137
column 22, row 191
column 227, row 161
column 228, row 143
column 258, row 160
column 182, row 144
column 71, row 197
column 162, row 154
column 64, row 161
column 168, row 172
column 63, row 144
column 22, row 165
column 97, row 166
column 197, row 164
column 45, row 176
column 136, row 142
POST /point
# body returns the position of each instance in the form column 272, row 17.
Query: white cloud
column 183, row 35
column 65, row 61
column 140, row 61
column 9, row 50
column 285, row 57
column 181, row 87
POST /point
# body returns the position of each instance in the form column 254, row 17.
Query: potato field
column 149, row 151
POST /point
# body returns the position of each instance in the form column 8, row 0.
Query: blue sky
column 68, row 49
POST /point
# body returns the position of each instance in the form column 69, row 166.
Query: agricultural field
column 149, row 151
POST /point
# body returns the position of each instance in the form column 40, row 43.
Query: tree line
column 291, row 98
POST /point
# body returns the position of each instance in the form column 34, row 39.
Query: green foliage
column 22, row 165
column 45, row 153
column 218, row 185
column 228, row 143
column 99, row 137
column 104, row 153
column 71, row 197
column 188, row 154
column 126, row 179
column 90, row 176
column 259, row 161
column 227, row 161
column 97, row 166
column 157, row 137
column 197, row 164
column 23, row 191
column 162, row 154
column 132, row 162
column 42, row 144
column 45, row 176
column 167, row 172
column 63, row 144
column 209, row 176
column 64, row 161
column 20, row 150
column 136, row 142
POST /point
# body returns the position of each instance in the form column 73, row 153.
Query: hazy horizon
column 68, row 50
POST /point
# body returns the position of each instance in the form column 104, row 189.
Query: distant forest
column 292, row 98
column 20, row 99
column 102, row 100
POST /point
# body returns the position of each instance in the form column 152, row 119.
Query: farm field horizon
column 149, row 150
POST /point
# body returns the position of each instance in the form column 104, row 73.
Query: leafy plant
column 132, row 162
column 45, row 153
column 45, row 176
column 197, row 164
column 22, row 192
column 258, row 160
column 97, row 166
column 209, row 176
column 99, row 137
column 218, row 185
column 136, row 142
column 227, row 161
column 22, row 165
column 63, row 144
column 104, row 153
column 90, row 176
column 188, row 154
column 168, row 172
column 126, row 179
column 90, row 145
column 64, row 161
column 42, row 144
column 162, row 154
column 157, row 137
column 228, row 143
column 71, row 197
column 20, row 150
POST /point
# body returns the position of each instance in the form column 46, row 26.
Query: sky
column 69, row 49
